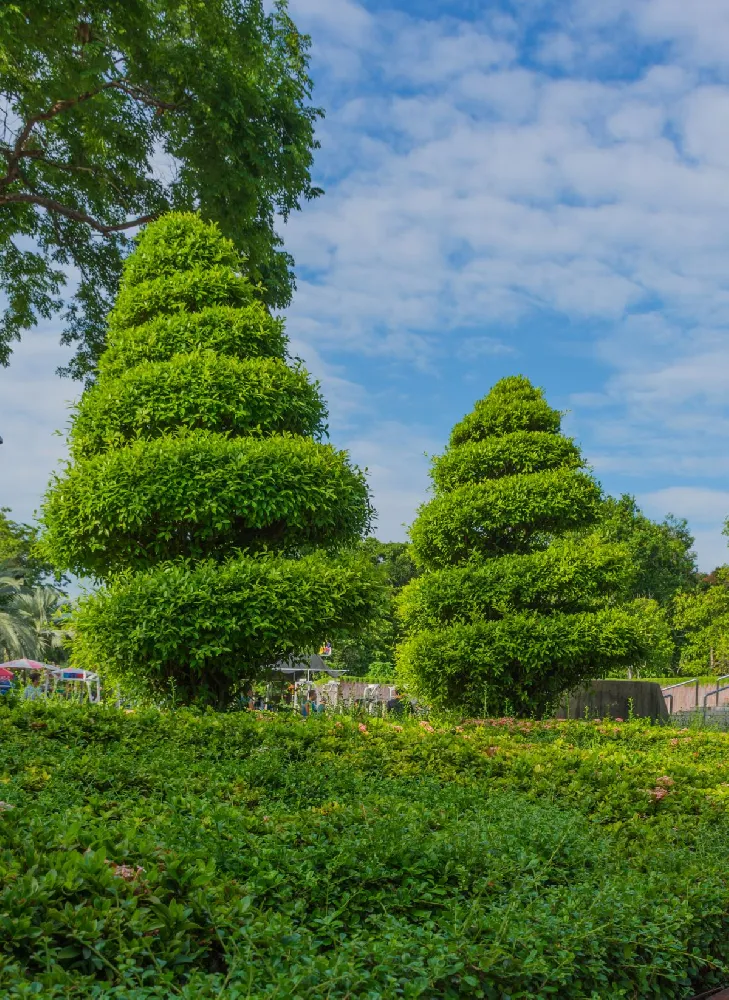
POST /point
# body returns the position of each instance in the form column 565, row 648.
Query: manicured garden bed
column 152, row 855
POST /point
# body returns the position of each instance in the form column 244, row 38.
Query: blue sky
column 510, row 187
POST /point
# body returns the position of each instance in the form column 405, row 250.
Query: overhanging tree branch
column 80, row 144
column 20, row 150
column 73, row 213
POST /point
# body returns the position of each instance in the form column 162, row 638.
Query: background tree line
column 32, row 598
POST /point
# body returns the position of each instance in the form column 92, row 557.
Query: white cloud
column 700, row 504
column 35, row 405
column 473, row 348
column 558, row 49
column 475, row 192
column 395, row 456
column 468, row 193
column 699, row 30
column 706, row 511
column 705, row 120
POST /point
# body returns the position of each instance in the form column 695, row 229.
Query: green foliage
column 502, row 516
column 28, row 602
column 488, row 458
column 204, row 390
column 193, row 632
column 100, row 99
column 512, row 405
column 571, row 575
column 156, row 855
column 193, row 289
column 526, row 659
column 30, row 621
column 661, row 553
column 200, row 494
column 394, row 560
column 521, row 599
column 371, row 652
column 702, row 620
column 203, row 456
column 19, row 553
column 246, row 331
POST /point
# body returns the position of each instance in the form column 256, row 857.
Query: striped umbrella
column 26, row 664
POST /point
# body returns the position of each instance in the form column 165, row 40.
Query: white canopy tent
column 53, row 675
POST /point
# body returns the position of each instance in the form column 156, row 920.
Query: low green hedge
column 158, row 855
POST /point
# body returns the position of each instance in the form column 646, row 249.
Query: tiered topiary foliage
column 518, row 602
column 199, row 489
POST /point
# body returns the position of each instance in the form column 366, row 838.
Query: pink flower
column 658, row 793
column 618, row 719
column 362, row 728
column 127, row 872
column 427, row 727
column 665, row 780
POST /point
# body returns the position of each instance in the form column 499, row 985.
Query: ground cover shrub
column 151, row 855
column 521, row 597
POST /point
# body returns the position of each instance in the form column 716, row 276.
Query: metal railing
column 717, row 692
column 671, row 687
column 667, row 692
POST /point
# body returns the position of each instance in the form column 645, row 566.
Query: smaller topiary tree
column 519, row 601
column 200, row 491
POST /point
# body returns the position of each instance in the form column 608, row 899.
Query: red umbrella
column 5, row 674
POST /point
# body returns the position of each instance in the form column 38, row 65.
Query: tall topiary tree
column 518, row 601
column 199, row 490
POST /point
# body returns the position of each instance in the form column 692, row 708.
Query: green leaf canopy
column 519, row 600
column 199, row 482
column 121, row 110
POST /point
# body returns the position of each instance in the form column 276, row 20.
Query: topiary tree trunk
column 519, row 600
column 199, row 490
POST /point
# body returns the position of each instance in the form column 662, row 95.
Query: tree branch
column 73, row 213
column 18, row 151
column 72, row 168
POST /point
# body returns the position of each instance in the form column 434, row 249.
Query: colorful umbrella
column 26, row 664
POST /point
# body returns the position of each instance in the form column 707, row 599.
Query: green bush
column 199, row 495
column 203, row 390
column 520, row 599
column 198, row 450
column 503, row 515
column 517, row 452
column 702, row 620
column 247, row 332
column 164, row 627
column 154, row 855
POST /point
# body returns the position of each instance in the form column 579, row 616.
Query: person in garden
column 33, row 690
